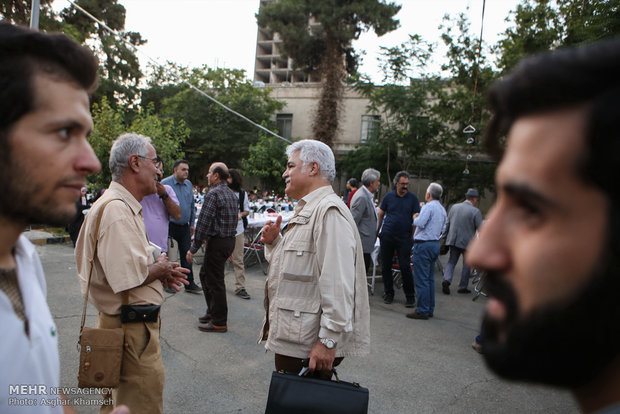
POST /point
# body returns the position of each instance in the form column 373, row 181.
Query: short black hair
column 178, row 162
column 586, row 77
column 25, row 53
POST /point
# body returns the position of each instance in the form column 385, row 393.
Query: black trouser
column 212, row 277
column 402, row 247
column 183, row 237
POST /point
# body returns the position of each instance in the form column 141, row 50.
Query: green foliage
column 540, row 25
column 167, row 136
column 215, row 133
column 326, row 48
column 119, row 65
column 267, row 161
column 108, row 125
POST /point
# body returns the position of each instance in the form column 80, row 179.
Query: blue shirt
column 185, row 194
column 399, row 212
column 431, row 222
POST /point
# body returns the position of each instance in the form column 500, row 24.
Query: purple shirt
column 156, row 217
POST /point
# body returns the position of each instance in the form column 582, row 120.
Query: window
column 285, row 125
column 370, row 124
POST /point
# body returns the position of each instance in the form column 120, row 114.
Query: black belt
column 221, row 237
column 424, row 241
column 179, row 225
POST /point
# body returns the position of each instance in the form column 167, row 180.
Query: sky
column 222, row 33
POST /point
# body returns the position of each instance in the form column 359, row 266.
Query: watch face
column 329, row 343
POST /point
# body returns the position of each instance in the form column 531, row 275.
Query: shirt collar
column 127, row 197
column 307, row 202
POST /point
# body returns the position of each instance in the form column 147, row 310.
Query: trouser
column 424, row 257
column 294, row 365
column 367, row 261
column 455, row 253
column 212, row 277
column 183, row 237
column 237, row 261
column 142, row 371
column 403, row 251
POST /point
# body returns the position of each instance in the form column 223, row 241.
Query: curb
column 51, row 240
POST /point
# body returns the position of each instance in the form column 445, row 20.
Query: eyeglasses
column 155, row 160
column 404, row 184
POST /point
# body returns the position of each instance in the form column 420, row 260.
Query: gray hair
column 400, row 174
column 124, row 147
column 435, row 190
column 315, row 151
column 369, row 176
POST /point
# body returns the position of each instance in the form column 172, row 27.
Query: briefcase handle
column 304, row 371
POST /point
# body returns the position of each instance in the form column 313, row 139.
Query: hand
column 121, row 409
column 176, row 276
column 321, row 358
column 161, row 190
column 415, row 216
column 191, row 230
column 189, row 256
column 271, row 231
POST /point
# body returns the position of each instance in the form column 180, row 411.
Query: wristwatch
column 164, row 196
column 329, row 343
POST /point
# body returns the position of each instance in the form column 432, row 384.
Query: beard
column 20, row 202
column 565, row 344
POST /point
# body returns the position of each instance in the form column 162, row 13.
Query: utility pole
column 34, row 15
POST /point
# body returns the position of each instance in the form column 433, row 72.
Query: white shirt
column 30, row 365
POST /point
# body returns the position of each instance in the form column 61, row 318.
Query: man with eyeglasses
column 158, row 208
column 395, row 229
column 128, row 274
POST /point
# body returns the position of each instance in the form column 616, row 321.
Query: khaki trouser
column 237, row 259
column 142, row 371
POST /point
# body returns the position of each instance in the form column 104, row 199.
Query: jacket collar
column 305, row 206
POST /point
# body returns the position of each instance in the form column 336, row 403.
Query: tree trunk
column 326, row 119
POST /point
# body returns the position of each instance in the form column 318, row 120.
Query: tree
column 540, row 25
column 216, row 134
column 119, row 65
column 326, row 48
column 167, row 136
column 267, row 161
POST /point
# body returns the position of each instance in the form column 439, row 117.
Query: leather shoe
column 445, row 287
column 209, row 327
column 205, row 318
column 388, row 298
column 193, row 288
column 416, row 315
column 464, row 291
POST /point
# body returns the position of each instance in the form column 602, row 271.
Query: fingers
column 278, row 222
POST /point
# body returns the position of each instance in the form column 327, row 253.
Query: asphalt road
column 414, row 366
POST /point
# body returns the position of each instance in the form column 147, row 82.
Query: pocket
column 298, row 320
column 299, row 261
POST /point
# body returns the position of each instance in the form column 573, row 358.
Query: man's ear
column 133, row 163
column 314, row 168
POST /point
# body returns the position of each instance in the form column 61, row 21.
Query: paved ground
column 414, row 366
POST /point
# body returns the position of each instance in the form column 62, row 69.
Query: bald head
column 218, row 172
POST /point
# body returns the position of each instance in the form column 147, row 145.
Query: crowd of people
column 549, row 246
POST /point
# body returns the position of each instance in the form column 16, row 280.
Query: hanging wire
column 157, row 64
column 469, row 129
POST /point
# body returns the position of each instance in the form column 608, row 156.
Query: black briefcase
column 290, row 393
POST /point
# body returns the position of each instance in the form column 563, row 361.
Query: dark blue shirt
column 399, row 211
column 185, row 194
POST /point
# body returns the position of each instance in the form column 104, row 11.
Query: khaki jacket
column 316, row 287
